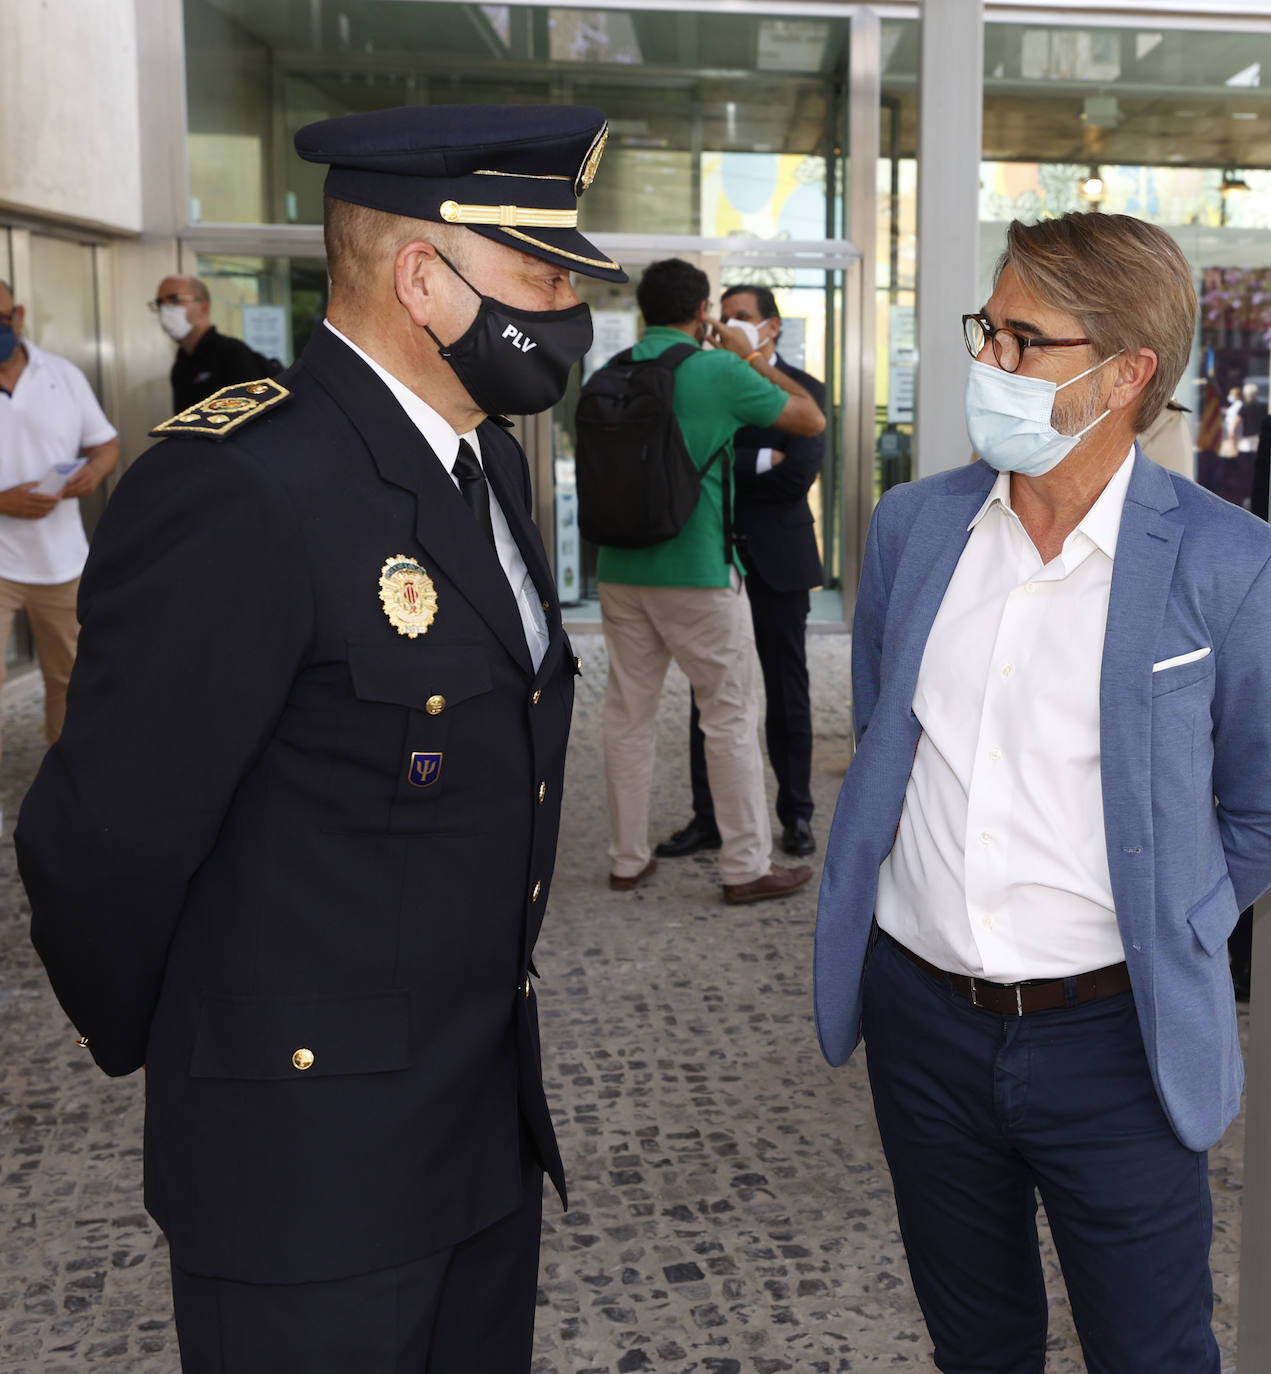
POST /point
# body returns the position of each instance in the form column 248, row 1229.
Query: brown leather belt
column 1018, row 999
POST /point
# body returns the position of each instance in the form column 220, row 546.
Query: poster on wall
column 267, row 329
column 612, row 332
column 1232, row 382
column 568, row 540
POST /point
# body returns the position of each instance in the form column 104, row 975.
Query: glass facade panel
column 674, row 86
column 1173, row 127
column 811, row 305
column 238, row 285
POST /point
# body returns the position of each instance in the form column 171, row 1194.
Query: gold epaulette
column 225, row 410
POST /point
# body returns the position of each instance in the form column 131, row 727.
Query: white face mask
column 173, row 322
column 1008, row 419
column 751, row 331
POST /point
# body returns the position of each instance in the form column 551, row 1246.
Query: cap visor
column 565, row 247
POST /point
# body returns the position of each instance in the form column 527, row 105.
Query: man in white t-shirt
column 49, row 419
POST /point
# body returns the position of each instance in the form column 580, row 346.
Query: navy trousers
column 462, row 1310
column 780, row 620
column 979, row 1113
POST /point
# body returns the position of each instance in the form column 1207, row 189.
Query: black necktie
column 474, row 488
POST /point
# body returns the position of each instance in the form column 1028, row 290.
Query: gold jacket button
column 538, row 887
column 535, row 696
column 547, row 605
column 82, row 1042
column 578, row 667
column 435, row 705
column 527, row 985
column 303, row 1059
column 542, row 792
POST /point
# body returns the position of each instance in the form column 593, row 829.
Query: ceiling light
column 1092, row 187
column 1233, row 184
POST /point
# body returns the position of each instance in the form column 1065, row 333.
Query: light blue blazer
column 1186, row 759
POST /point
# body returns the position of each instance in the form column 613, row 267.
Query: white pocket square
column 1180, row 659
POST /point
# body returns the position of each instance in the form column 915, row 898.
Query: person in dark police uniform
column 206, row 360
column 294, row 848
column 773, row 472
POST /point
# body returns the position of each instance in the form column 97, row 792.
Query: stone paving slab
column 732, row 1211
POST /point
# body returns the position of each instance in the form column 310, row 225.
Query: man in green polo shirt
column 682, row 600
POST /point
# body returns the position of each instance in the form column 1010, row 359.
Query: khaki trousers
column 55, row 629
column 708, row 632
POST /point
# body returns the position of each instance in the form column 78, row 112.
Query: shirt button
column 986, row 837
column 1008, row 669
column 542, row 792
column 995, row 754
column 987, row 923
column 535, row 695
column 538, row 887
column 1030, row 587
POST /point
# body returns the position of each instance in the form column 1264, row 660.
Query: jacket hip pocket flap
column 413, row 673
column 1213, row 918
column 301, row 1037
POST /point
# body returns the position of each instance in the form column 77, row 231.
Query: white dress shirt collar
column 439, row 434
column 1100, row 524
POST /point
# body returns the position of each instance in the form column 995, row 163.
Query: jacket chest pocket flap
column 267, row 1038
column 421, row 677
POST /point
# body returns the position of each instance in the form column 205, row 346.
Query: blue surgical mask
column 1008, row 419
column 8, row 342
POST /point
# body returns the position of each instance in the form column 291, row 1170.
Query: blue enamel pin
column 425, row 769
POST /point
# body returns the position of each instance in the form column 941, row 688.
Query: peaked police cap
column 510, row 172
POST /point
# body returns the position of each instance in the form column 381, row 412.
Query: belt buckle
column 1019, row 999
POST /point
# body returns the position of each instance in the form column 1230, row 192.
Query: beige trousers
column 55, row 629
column 708, row 632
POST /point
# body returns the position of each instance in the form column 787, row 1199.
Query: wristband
column 750, row 357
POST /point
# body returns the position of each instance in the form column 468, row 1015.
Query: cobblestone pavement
column 731, row 1207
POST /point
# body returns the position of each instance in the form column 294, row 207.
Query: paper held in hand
column 57, row 477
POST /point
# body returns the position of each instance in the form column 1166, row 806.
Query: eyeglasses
column 156, row 305
column 1008, row 346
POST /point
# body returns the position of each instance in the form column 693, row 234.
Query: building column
column 951, row 81
column 1254, row 1340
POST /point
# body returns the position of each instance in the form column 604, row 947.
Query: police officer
column 311, row 840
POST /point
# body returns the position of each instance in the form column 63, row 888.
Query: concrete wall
column 68, row 107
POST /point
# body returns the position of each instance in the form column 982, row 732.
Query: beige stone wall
column 68, row 108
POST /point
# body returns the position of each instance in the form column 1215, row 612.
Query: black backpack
column 637, row 483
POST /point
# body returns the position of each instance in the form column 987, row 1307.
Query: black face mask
column 516, row 362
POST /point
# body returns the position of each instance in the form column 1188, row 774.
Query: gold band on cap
column 507, row 216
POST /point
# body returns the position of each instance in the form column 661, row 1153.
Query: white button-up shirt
column 444, row 442
column 50, row 417
column 1000, row 865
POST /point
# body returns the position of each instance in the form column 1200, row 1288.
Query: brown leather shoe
column 619, row 884
column 777, row 882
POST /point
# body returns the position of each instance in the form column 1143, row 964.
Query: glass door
column 810, row 283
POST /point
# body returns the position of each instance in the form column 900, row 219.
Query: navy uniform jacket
column 228, row 862
column 772, row 508
column 218, row 360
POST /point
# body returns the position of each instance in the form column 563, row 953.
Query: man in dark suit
column 773, row 473
column 206, row 360
column 293, row 849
